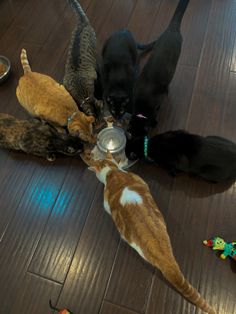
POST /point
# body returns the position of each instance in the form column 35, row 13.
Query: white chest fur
column 107, row 207
column 102, row 175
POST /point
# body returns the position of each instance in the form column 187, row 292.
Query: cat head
column 118, row 104
column 59, row 141
column 67, row 144
column 80, row 125
column 101, row 167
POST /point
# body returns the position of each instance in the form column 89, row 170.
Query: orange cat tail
column 176, row 278
column 24, row 61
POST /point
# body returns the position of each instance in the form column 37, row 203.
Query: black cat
column 213, row 158
column 153, row 82
column 119, row 71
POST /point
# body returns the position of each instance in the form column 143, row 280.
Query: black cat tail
column 146, row 47
column 178, row 15
column 53, row 307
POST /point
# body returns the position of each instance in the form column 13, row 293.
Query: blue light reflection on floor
column 61, row 204
column 45, row 195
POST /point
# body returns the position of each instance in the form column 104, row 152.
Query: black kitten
column 213, row 158
column 119, row 71
column 154, row 80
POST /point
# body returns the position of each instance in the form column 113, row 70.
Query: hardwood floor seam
column 43, row 277
column 122, row 306
column 45, row 225
column 198, row 68
column 109, row 278
column 61, row 290
column 18, row 203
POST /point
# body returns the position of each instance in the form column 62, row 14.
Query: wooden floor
column 56, row 241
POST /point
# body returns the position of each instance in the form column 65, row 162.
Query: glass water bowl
column 111, row 139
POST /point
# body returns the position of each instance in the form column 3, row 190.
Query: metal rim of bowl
column 7, row 62
column 104, row 131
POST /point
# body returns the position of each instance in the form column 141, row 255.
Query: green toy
column 218, row 243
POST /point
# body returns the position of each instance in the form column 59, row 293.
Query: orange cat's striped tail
column 25, row 61
column 176, row 278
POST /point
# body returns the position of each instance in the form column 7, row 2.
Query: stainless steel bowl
column 6, row 73
column 112, row 139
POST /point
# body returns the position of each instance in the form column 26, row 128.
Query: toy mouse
column 218, row 243
column 65, row 311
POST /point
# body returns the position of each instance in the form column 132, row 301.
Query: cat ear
column 90, row 119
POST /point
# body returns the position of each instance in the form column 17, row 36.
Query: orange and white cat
column 129, row 201
column 46, row 99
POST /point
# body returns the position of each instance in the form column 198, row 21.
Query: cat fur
column 212, row 158
column 80, row 70
column 119, row 71
column 128, row 200
column 153, row 82
column 35, row 137
column 46, row 99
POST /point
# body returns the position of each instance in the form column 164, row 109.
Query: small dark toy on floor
column 212, row 158
column 119, row 70
column 37, row 138
column 64, row 311
column 153, row 82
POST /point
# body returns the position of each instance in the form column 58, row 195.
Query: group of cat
column 71, row 109
column 63, row 117
column 127, row 197
column 55, row 110
column 212, row 158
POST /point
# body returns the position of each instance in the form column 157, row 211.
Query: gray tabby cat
column 80, row 69
column 37, row 138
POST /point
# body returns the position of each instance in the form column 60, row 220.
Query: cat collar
column 145, row 146
column 145, row 149
column 69, row 119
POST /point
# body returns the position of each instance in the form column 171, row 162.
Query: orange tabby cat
column 129, row 201
column 43, row 97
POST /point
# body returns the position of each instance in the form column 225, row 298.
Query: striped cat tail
column 83, row 19
column 25, row 61
column 176, row 278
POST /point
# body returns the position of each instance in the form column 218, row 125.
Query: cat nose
column 71, row 149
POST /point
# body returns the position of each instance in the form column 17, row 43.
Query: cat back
column 129, row 201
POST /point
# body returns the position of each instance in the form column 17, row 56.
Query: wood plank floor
column 56, row 241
